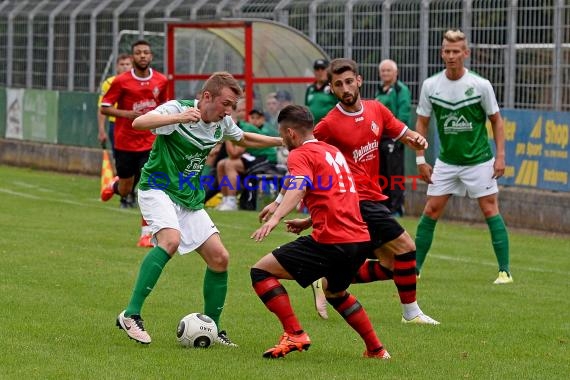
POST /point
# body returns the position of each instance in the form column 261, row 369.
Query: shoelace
column 138, row 321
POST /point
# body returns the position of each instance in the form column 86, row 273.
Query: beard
column 141, row 66
column 352, row 101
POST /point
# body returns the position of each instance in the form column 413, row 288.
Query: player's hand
column 498, row 168
column 102, row 137
column 190, row 115
column 297, row 225
column 267, row 211
column 264, row 231
column 425, row 171
column 417, row 142
column 132, row 115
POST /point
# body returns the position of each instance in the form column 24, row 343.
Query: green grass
column 68, row 263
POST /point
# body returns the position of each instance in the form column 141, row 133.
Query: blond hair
column 455, row 35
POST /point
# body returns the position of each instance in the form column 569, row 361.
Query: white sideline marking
column 65, row 201
column 19, row 194
column 489, row 264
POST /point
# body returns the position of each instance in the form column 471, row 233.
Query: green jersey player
column 461, row 102
column 171, row 195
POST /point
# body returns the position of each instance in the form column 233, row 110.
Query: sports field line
column 493, row 264
column 91, row 204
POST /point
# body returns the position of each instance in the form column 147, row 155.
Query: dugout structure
column 265, row 56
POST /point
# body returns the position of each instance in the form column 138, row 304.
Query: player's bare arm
column 298, row 225
column 424, row 169
column 499, row 137
column 153, row 120
column 234, row 150
column 293, row 196
column 256, row 140
column 268, row 210
column 112, row 111
column 414, row 140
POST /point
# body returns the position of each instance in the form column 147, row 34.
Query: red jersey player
column 355, row 127
column 136, row 92
column 336, row 248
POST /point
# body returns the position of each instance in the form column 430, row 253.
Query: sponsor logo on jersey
column 365, row 152
column 144, row 105
column 469, row 91
column 454, row 124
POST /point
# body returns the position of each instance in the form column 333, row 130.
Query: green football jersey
column 461, row 108
column 179, row 154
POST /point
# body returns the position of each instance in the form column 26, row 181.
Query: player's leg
column 265, row 275
column 446, row 182
column 215, row 286
column 343, row 264
column 123, row 183
column 482, row 186
column 159, row 210
column 426, row 227
column 354, row 314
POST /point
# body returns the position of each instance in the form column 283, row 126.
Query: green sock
column 149, row 272
column 215, row 289
column 424, row 238
column 500, row 240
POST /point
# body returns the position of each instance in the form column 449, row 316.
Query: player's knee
column 405, row 243
column 258, row 275
column 170, row 246
column 219, row 261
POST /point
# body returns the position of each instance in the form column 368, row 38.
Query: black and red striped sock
column 276, row 299
column 405, row 276
column 355, row 315
column 371, row 271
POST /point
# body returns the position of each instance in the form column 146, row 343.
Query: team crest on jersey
column 375, row 128
column 469, row 91
column 218, row 132
column 156, row 92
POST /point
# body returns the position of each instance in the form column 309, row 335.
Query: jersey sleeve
column 393, row 127
column 299, row 166
column 424, row 105
column 231, row 130
column 321, row 129
column 488, row 98
column 169, row 108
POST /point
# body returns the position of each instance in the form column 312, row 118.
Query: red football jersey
column 357, row 135
column 331, row 196
column 139, row 94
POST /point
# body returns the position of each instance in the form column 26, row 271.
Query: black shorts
column 307, row 261
column 129, row 164
column 383, row 227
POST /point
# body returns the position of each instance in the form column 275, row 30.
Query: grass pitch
column 68, row 263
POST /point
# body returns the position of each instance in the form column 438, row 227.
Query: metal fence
column 522, row 46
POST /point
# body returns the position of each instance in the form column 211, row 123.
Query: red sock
column 405, row 276
column 371, row 271
column 355, row 315
column 276, row 299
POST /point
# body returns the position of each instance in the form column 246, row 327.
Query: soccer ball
column 197, row 330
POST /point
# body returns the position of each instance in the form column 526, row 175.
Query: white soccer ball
column 197, row 330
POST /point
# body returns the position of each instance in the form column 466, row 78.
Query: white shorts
column 195, row 226
column 476, row 180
